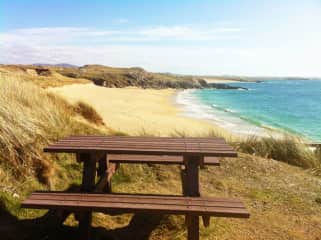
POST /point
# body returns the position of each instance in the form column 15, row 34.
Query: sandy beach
column 136, row 110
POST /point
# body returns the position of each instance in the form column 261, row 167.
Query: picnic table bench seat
column 121, row 203
column 157, row 159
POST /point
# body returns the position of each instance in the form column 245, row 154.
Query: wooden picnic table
column 144, row 145
column 94, row 149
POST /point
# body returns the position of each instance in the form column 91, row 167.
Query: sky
column 231, row 37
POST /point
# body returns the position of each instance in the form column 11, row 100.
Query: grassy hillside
column 54, row 76
column 30, row 118
column 42, row 76
column 122, row 77
column 284, row 200
column 61, row 74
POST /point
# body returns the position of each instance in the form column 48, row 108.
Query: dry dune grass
column 29, row 119
column 89, row 113
column 289, row 149
column 27, row 116
column 28, row 73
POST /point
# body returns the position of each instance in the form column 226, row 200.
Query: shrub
column 286, row 149
column 89, row 113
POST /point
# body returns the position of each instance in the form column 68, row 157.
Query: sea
column 290, row 106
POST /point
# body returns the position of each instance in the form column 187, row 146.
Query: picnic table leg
column 105, row 171
column 102, row 170
column 88, row 184
column 190, row 178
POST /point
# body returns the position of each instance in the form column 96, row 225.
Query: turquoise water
column 291, row 105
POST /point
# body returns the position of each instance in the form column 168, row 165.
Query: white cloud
column 204, row 50
column 184, row 33
column 60, row 35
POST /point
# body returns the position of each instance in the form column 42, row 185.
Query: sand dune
column 135, row 110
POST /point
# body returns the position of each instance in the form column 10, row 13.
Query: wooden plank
column 147, row 140
column 135, row 158
column 142, row 145
column 99, row 203
column 149, row 197
column 138, row 143
column 191, row 185
column 206, row 221
column 214, row 161
column 142, row 151
column 192, row 176
column 156, row 159
column 139, row 140
column 105, row 171
column 173, row 139
column 88, row 185
column 102, row 165
column 162, row 146
column 146, row 150
column 193, row 228
column 142, row 200
column 104, row 183
column 89, row 172
column 136, row 208
column 155, row 145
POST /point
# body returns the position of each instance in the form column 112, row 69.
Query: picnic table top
column 144, row 145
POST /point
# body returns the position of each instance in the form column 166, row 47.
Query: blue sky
column 194, row 37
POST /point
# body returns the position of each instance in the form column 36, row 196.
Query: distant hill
column 134, row 76
column 58, row 74
column 65, row 65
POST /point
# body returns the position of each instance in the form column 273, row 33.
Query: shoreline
column 235, row 126
column 165, row 112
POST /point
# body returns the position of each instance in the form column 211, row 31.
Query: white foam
column 193, row 107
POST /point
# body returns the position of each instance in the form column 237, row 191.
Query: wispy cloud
column 181, row 49
column 184, row 33
column 59, row 35
column 111, row 47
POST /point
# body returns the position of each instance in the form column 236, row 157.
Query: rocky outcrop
column 43, row 72
column 138, row 77
column 38, row 71
column 224, row 86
